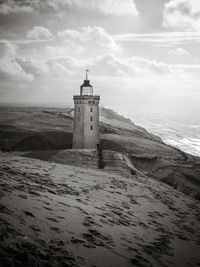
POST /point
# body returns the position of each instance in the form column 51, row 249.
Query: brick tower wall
column 86, row 122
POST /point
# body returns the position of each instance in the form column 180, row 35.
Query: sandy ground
column 59, row 215
column 44, row 132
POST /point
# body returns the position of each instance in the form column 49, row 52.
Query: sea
column 180, row 131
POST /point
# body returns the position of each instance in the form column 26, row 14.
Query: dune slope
column 44, row 132
column 60, row 215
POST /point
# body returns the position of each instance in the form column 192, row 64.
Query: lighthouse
column 86, row 117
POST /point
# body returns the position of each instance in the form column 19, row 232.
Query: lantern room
column 86, row 88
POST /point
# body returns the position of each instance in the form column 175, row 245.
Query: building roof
column 86, row 84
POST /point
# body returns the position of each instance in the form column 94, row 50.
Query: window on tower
column 87, row 90
column 90, row 109
column 91, row 118
column 91, row 127
column 79, row 109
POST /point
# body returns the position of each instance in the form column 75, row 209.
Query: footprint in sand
column 77, row 241
column 35, row 228
column 61, row 217
column 23, row 196
column 5, row 210
column 30, row 214
column 140, row 261
column 88, row 221
column 55, row 229
column 52, row 219
column 41, row 242
column 95, row 238
column 46, row 208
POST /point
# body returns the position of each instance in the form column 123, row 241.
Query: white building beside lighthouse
column 86, row 118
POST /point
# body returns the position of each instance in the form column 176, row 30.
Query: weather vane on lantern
column 87, row 70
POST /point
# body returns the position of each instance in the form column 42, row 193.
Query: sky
column 143, row 55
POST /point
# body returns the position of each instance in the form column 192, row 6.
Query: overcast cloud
column 139, row 55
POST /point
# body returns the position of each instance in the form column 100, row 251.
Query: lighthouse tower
column 86, row 117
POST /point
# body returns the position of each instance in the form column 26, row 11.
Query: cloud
column 92, row 40
column 33, row 66
column 178, row 52
column 187, row 67
column 110, row 7
column 10, row 6
column 49, row 4
column 106, row 7
column 11, row 71
column 110, row 65
column 107, row 65
column 54, row 51
column 86, row 43
column 145, row 65
column 29, row 6
column 48, row 69
column 63, row 50
column 7, row 49
column 182, row 14
column 59, row 69
column 39, row 33
column 162, row 38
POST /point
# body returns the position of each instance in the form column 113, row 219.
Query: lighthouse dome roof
column 86, row 84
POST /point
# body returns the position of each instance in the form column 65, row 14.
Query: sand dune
column 58, row 215
column 57, row 208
